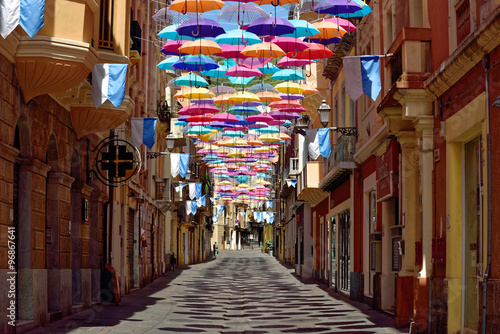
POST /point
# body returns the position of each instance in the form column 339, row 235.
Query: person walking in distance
column 216, row 248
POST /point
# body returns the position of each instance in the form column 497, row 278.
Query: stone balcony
column 308, row 183
column 340, row 164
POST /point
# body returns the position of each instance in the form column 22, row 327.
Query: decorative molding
column 8, row 152
column 60, row 178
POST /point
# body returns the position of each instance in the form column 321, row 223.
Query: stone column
column 58, row 251
column 409, row 205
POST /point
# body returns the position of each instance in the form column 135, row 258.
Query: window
column 106, row 25
column 463, row 21
column 344, row 250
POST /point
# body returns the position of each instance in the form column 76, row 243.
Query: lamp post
column 170, row 140
column 324, row 118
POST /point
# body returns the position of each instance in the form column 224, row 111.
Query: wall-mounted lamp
column 496, row 104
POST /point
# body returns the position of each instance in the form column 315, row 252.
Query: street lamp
column 170, row 140
column 324, row 113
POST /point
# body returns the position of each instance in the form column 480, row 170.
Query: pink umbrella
column 346, row 24
column 290, row 44
column 172, row 47
column 279, row 115
column 252, row 62
column 231, row 51
column 292, row 109
column 284, row 104
column 260, row 118
column 286, row 61
column 257, row 125
column 224, row 117
column 198, row 109
column 236, row 128
column 241, row 71
column 277, row 122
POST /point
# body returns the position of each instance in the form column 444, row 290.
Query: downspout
column 147, row 62
column 486, row 65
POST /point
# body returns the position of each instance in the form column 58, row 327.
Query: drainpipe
column 486, row 65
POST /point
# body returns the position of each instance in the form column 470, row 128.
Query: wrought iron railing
column 343, row 151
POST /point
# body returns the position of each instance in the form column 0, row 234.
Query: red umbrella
column 242, row 71
column 284, row 104
column 200, row 118
column 314, row 51
column 290, row 44
column 231, row 51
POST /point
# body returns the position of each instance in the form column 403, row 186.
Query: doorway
column 344, row 250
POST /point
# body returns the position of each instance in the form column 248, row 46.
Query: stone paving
column 239, row 292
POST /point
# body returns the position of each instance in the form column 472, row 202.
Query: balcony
column 340, row 163
column 163, row 195
column 308, row 183
column 294, row 167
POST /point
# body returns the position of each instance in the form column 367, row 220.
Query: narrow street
column 239, row 292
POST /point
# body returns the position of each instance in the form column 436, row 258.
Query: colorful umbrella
column 171, row 17
column 198, row 130
column 230, row 51
column 269, row 68
column 288, row 74
column 172, row 47
column 263, row 50
column 198, row 93
column 200, row 47
column 197, row 109
column 314, row 51
column 302, row 29
column 240, row 80
column 254, row 62
column 286, row 62
column 289, row 44
column 195, row 63
column 200, row 27
column 346, row 24
column 224, row 117
column 268, row 96
column 241, row 71
column 328, row 30
column 289, row 88
column 196, row 6
column 191, row 80
column 336, row 7
column 166, row 64
column 365, row 10
column 242, row 14
column 308, row 89
column 222, row 90
column 244, row 97
column 238, row 37
column 261, row 87
column 170, row 33
column 271, row 26
column 238, row 111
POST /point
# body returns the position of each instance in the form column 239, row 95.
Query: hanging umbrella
column 261, row 87
column 270, row 138
column 170, row 33
column 219, row 72
column 166, row 64
column 233, row 134
column 200, row 27
column 302, row 29
column 323, row 41
column 224, row 117
column 171, row 17
column 241, row 71
column 285, row 104
column 244, row 97
column 200, row 118
column 291, row 96
column 288, row 74
column 336, row 7
column 205, row 101
column 241, row 13
column 243, row 111
column 195, row 63
column 200, row 47
column 263, row 50
column 191, row 80
column 240, row 80
column 197, row 109
column 171, row 83
column 238, row 37
column 280, row 115
column 268, row 96
column 308, row 89
column 269, row 68
column 269, row 129
column 289, row 88
column 346, row 24
column 196, row 6
column 287, row 62
column 314, row 51
column 253, row 62
column 198, row 130
column 223, row 99
column 222, row 90
column 275, row 3
column 271, row 26
column 230, row 51
column 328, row 30
column 172, row 47
column 198, row 93
column 260, row 118
column 365, row 10
column 289, row 44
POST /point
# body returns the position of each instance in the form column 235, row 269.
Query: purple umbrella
column 336, row 7
column 279, row 115
column 271, row 26
column 222, row 90
column 252, row 62
column 200, row 27
column 202, row 101
column 291, row 96
column 323, row 41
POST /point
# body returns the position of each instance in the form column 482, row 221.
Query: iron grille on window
column 135, row 36
column 106, row 25
column 396, row 257
column 463, row 21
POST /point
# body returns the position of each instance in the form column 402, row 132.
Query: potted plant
column 269, row 247
column 263, row 249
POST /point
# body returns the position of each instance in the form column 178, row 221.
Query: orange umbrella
column 263, row 50
column 224, row 99
column 267, row 96
column 196, row 6
column 275, row 2
column 314, row 51
column 328, row 30
column 308, row 89
column 200, row 46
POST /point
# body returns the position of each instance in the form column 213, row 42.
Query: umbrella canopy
column 170, row 16
column 197, row 109
column 243, row 111
column 302, row 29
column 308, row 89
column 270, row 138
column 219, row 72
column 170, row 33
column 365, row 10
column 268, row 96
column 191, row 80
column 240, row 80
column 289, row 88
column 260, row 118
column 223, row 99
column 275, row 2
column 280, row 115
column 222, row 90
column 195, row 63
column 166, row 64
column 200, row 46
column 241, row 13
column 261, row 87
column 241, row 71
column 346, row 24
column 231, row 51
column 198, row 93
column 224, row 117
column 271, row 26
column 263, row 50
column 198, row 130
column 292, row 96
column 289, row 44
column 238, row 37
column 285, row 104
column 314, row 51
column 269, row 68
column 172, row 47
column 200, row 27
column 286, row 62
column 328, row 30
column 196, row 6
column 253, row 62
column 336, row 7
column 288, row 74
column 244, row 97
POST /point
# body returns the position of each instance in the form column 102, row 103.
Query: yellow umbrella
column 224, row 183
column 289, row 87
column 308, row 89
column 180, row 93
column 268, row 96
column 269, row 137
column 263, row 50
column 236, row 142
column 255, row 142
column 198, row 93
column 243, row 185
column 262, row 149
column 200, row 46
column 209, row 136
column 198, row 6
column 235, row 153
column 263, row 182
column 244, row 97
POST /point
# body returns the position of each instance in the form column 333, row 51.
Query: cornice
column 365, row 151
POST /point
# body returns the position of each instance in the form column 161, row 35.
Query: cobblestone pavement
column 239, row 292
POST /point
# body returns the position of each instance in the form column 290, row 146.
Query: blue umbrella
column 240, row 80
column 302, row 29
column 271, row 26
column 269, row 129
column 323, row 41
column 233, row 133
column 198, row 130
column 238, row 37
column 166, row 64
column 242, row 121
column 365, row 10
column 239, row 110
column 336, row 7
column 269, row 68
column 191, row 80
column 242, row 178
column 200, row 27
column 195, row 63
column 170, row 32
column 288, row 74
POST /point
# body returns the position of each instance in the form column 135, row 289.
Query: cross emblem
column 117, row 165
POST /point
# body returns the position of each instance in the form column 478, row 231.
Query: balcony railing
column 396, row 66
column 294, row 166
column 342, row 152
